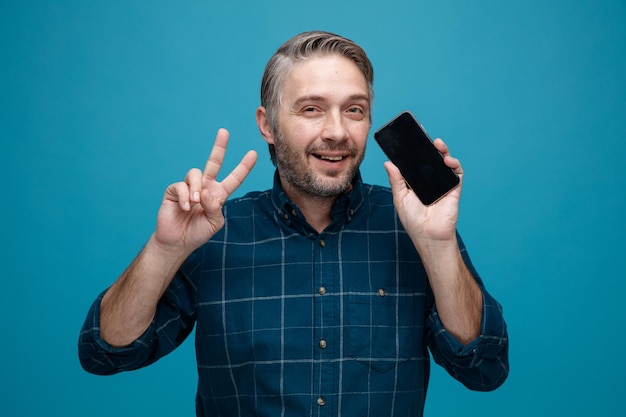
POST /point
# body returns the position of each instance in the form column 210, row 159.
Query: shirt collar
column 344, row 209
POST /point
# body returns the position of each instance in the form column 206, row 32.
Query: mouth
column 330, row 158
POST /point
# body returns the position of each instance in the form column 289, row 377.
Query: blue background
column 104, row 103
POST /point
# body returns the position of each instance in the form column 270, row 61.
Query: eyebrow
column 316, row 98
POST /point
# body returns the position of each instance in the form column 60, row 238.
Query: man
column 320, row 296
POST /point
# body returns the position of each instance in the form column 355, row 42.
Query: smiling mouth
column 331, row 158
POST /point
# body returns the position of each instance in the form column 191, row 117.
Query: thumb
column 396, row 180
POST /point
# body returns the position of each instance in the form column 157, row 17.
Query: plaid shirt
column 291, row 322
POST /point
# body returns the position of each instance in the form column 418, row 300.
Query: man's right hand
column 191, row 211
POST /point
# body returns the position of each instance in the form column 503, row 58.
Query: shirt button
column 382, row 292
column 321, row 290
column 322, row 243
column 322, row 344
column 321, row 401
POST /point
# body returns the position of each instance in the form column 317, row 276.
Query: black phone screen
column 408, row 146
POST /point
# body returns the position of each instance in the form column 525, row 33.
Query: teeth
column 332, row 158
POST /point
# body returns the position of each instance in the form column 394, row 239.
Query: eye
column 310, row 111
column 356, row 112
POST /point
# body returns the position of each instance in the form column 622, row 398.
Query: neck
column 316, row 210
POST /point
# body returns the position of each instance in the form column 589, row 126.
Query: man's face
column 323, row 123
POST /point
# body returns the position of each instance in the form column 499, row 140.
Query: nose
column 334, row 127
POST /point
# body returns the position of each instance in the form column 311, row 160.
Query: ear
column 263, row 123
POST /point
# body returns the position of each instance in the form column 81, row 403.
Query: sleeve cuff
column 99, row 357
column 492, row 339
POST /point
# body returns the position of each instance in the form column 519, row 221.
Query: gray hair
column 301, row 48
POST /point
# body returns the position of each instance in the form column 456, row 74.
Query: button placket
column 326, row 271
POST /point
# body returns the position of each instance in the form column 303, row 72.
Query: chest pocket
column 384, row 326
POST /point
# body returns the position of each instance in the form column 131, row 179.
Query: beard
column 293, row 169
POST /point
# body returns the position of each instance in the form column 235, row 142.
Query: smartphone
column 408, row 146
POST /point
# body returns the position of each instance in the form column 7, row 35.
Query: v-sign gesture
column 190, row 214
column 191, row 211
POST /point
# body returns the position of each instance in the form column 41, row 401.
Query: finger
column 216, row 158
column 441, row 146
column 396, row 180
column 453, row 163
column 194, row 180
column 239, row 174
column 179, row 193
column 448, row 159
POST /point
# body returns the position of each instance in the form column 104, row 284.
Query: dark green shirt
column 298, row 323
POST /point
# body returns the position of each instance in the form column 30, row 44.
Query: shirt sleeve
column 483, row 364
column 173, row 322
